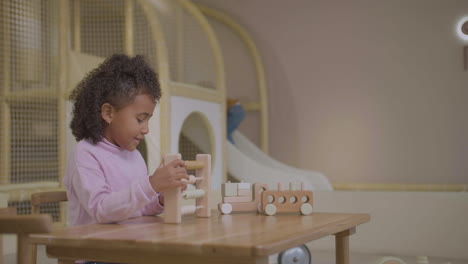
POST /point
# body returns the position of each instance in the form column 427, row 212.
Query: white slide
column 246, row 162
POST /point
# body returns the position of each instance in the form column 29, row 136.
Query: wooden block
column 295, row 186
column 251, row 206
column 203, row 203
column 229, row 189
column 172, row 206
column 244, row 207
column 280, row 186
column 237, row 199
column 193, row 165
column 244, row 193
column 244, row 186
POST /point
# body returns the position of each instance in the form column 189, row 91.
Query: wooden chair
column 38, row 199
column 22, row 226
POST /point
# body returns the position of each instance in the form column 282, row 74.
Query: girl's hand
column 169, row 176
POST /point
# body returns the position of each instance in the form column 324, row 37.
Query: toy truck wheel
column 306, row 209
column 270, row 209
column 259, row 208
column 225, row 208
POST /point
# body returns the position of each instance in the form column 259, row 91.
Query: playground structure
column 50, row 45
column 242, row 197
column 173, row 210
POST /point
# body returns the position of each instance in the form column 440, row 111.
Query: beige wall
column 364, row 91
column 399, row 223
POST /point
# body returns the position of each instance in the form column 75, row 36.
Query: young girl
column 106, row 177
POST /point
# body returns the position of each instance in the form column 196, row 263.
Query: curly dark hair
column 117, row 81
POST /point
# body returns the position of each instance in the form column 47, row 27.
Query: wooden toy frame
column 173, row 209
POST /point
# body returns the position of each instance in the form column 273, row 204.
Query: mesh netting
column 189, row 150
column 197, row 64
column 143, row 37
column 24, row 207
column 241, row 76
column 165, row 11
column 190, row 54
column 195, row 139
column 30, row 95
column 32, row 52
column 101, row 26
column 30, row 122
column 34, row 145
column 28, row 88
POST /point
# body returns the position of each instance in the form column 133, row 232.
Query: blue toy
column 235, row 115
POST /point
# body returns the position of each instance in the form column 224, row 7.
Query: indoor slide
column 246, row 162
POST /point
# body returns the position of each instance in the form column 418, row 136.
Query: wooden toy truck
column 241, row 197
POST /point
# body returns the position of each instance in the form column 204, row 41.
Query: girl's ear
column 107, row 113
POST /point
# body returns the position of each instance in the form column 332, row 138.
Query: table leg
column 342, row 246
column 1, row 249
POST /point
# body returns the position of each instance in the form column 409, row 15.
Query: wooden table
column 236, row 238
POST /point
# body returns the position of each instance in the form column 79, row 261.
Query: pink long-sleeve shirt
column 107, row 184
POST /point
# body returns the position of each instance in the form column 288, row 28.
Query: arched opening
column 196, row 137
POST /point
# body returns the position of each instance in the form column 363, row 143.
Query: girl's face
column 127, row 126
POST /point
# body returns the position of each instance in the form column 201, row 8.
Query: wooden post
column 342, row 246
column 129, row 50
column 204, row 184
column 24, row 249
column 5, row 122
column 76, row 26
column 172, row 204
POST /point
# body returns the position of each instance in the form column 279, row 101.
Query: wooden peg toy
column 287, row 201
column 202, row 181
